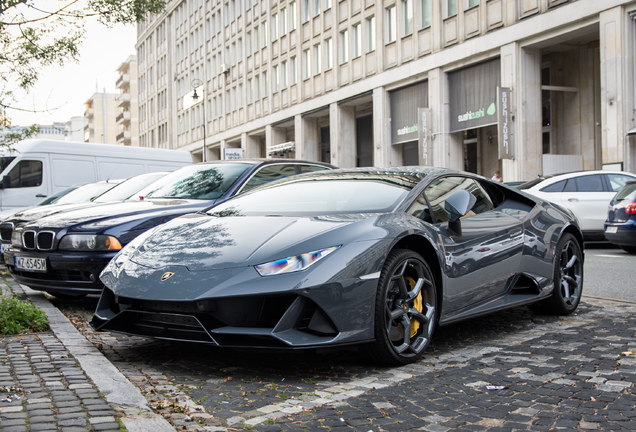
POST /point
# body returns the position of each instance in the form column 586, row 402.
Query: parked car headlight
column 16, row 239
column 89, row 242
column 293, row 263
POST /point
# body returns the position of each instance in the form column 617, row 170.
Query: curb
column 130, row 405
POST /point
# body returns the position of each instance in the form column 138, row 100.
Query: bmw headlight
column 89, row 242
column 16, row 239
column 293, row 263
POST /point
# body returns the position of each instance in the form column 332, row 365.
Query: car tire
column 568, row 279
column 406, row 304
column 629, row 249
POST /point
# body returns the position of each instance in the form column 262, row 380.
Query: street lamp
column 195, row 97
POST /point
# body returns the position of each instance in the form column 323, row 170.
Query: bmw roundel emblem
column 166, row 276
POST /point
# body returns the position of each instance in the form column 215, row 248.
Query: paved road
column 609, row 273
column 515, row 370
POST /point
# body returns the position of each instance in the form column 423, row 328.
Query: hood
column 99, row 218
column 202, row 242
column 39, row 212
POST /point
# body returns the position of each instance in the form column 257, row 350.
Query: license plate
column 30, row 264
column 611, row 230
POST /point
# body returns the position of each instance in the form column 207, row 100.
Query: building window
column 249, row 91
column 317, row 60
column 407, row 16
column 292, row 71
column 425, row 13
column 305, row 11
column 275, row 82
column 470, row 4
column 450, row 8
column 370, row 34
column 391, row 25
column 357, row 40
column 316, row 7
column 344, row 46
column 328, row 54
column 283, row 21
column 274, row 27
column 264, row 33
column 327, row 4
column 306, row 64
column 283, row 75
column 292, row 16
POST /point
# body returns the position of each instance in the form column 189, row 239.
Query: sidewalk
column 58, row 381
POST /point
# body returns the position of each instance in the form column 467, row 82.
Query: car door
column 483, row 257
column 588, row 198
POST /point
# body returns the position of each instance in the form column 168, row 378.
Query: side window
column 438, row 191
column 25, row 174
column 617, row 181
column 555, row 187
column 311, row 168
column 420, row 209
column 269, row 173
column 590, row 183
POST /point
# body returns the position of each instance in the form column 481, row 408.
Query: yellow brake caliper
column 417, row 305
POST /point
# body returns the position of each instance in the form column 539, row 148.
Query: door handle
column 573, row 199
column 40, row 196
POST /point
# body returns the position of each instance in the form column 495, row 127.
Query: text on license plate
column 611, row 229
column 30, row 264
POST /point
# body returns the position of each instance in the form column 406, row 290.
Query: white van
column 37, row 169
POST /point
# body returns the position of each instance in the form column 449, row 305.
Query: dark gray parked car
column 374, row 257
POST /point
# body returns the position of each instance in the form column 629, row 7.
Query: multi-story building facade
column 100, row 113
column 523, row 86
column 128, row 109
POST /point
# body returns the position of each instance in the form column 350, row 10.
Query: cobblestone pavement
column 504, row 372
column 43, row 388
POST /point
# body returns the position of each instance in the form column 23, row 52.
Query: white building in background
column 480, row 85
column 127, row 106
column 75, row 129
column 100, row 113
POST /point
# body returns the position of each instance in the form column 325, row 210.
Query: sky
column 64, row 90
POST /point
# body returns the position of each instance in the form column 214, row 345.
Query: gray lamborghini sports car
column 373, row 257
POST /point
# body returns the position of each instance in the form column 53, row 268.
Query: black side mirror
column 458, row 205
column 6, row 182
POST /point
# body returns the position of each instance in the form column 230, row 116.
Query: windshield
column 321, row 195
column 202, row 181
column 130, row 187
column 5, row 161
column 86, row 193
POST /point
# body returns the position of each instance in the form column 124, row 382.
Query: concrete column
column 613, row 101
column 222, row 146
column 307, row 138
column 529, row 140
column 384, row 154
column 342, row 126
column 447, row 147
column 251, row 146
column 509, row 78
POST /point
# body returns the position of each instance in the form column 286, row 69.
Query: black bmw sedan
column 63, row 254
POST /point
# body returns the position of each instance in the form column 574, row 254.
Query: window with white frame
column 306, row 64
column 317, row 60
column 305, row 10
column 256, row 37
column 274, row 27
column 407, row 17
column 292, row 16
column 370, row 33
column 327, row 4
column 316, row 7
column 357, row 40
column 275, row 82
column 391, row 25
column 292, row 70
column 425, row 13
column 249, row 91
column 470, row 4
column 449, row 8
column 264, row 33
column 344, row 46
column 328, row 54
column 283, row 21
column 265, row 84
column 283, row 75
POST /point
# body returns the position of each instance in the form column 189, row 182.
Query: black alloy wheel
column 405, row 309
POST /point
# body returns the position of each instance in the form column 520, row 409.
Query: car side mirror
column 458, row 205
